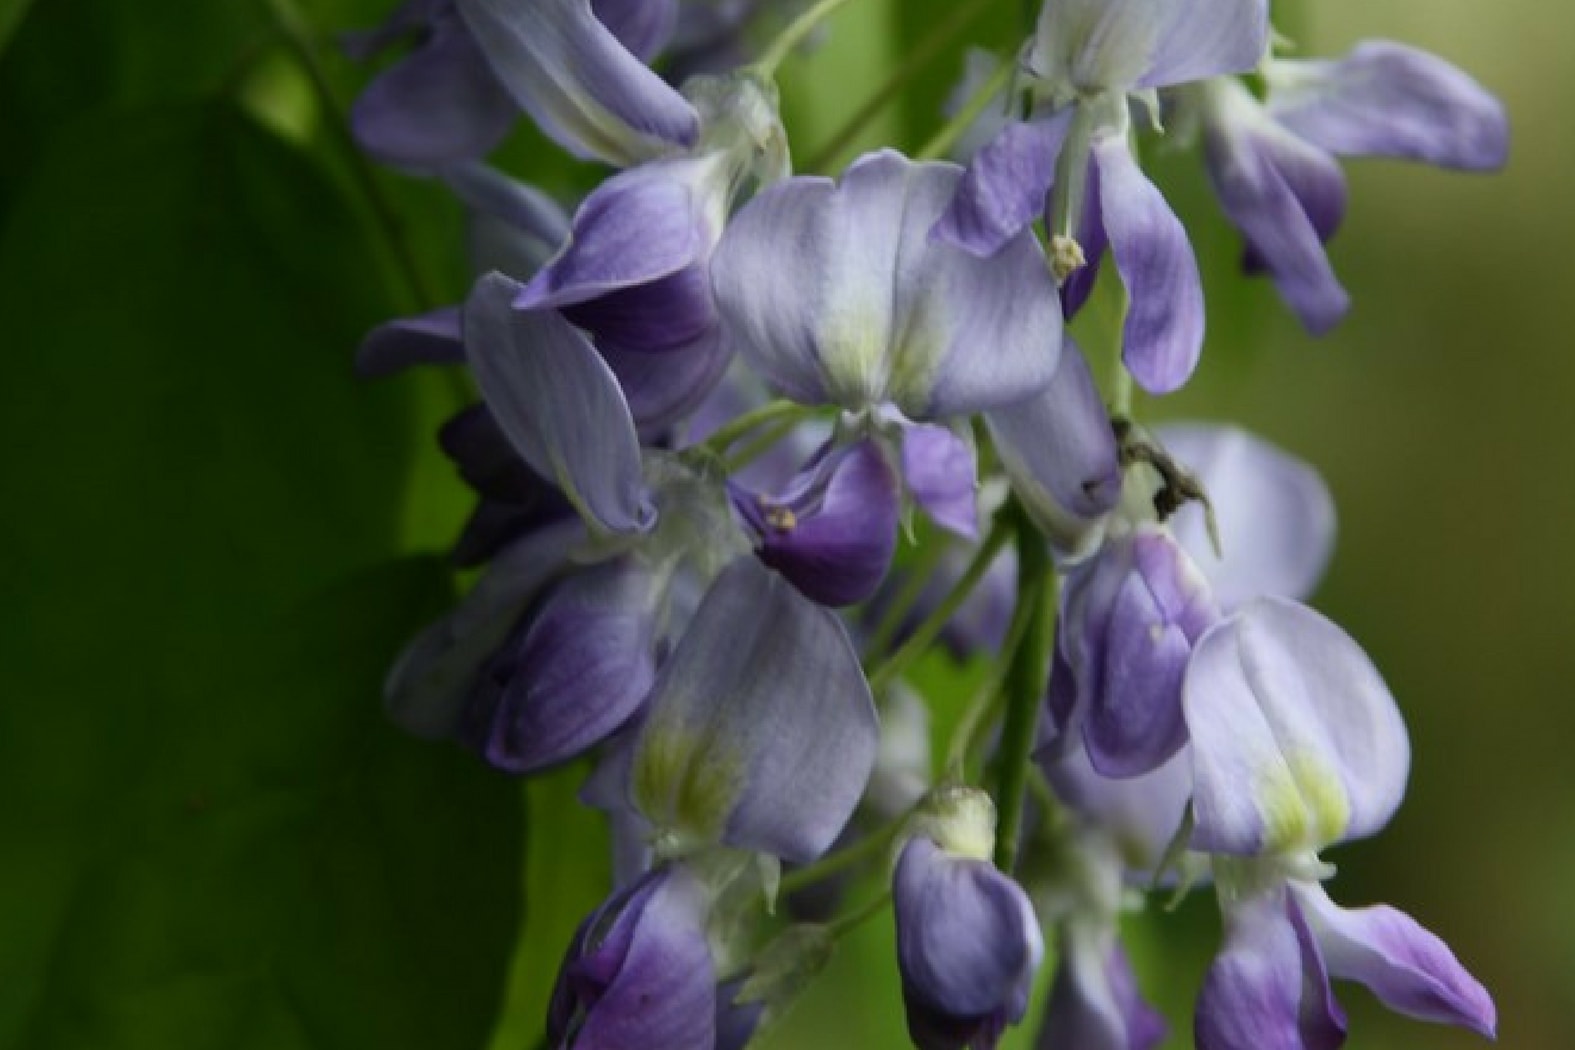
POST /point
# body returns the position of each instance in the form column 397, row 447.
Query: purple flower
column 869, row 314
column 1086, row 58
column 968, row 946
column 1274, row 163
column 1094, row 1003
column 639, row 972
column 1298, row 745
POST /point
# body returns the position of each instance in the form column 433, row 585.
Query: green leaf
column 211, row 836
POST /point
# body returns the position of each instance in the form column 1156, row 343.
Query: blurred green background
column 214, row 537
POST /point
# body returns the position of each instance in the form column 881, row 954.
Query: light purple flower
column 1085, row 60
column 1094, row 1003
column 968, row 946
column 1274, row 163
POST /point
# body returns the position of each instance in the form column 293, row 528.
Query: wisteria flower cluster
column 750, row 443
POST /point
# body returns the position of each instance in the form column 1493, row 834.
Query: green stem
column 848, row 923
column 849, row 856
column 1026, row 679
column 925, row 634
column 922, row 55
column 943, row 140
column 1120, row 378
column 795, row 34
column 969, row 734
column 919, row 574
column 768, row 440
column 295, row 30
column 773, row 411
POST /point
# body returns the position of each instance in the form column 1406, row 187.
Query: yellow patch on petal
column 1303, row 804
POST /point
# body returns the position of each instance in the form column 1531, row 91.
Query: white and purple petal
column 560, row 405
column 1197, row 39
column 1389, row 100
column 1296, row 741
column 1163, row 334
column 761, row 730
column 582, row 86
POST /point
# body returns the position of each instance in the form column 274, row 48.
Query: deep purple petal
column 581, row 85
column 1296, row 741
column 941, row 473
column 1004, row 187
column 1267, row 988
column 1275, row 514
column 1092, row 239
column 834, row 530
column 1163, row 335
column 1406, row 966
column 1388, row 100
column 664, row 388
column 559, row 403
column 648, row 980
column 578, row 672
column 432, row 681
column 432, row 338
column 1284, row 194
column 440, row 105
column 762, row 731
column 1060, row 452
column 968, row 943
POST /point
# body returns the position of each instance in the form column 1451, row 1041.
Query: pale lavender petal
column 1267, row 989
column 520, row 205
column 1284, row 194
column 559, row 404
column 432, row 338
column 1094, row 1003
column 438, row 106
column 580, row 84
column 1142, row 813
column 1296, row 741
column 1389, row 100
column 639, row 972
column 1206, row 38
column 1163, row 335
column 1406, row 966
column 577, row 673
column 834, row 530
column 1004, row 188
column 762, row 731
column 865, row 308
column 941, row 472
column 642, row 26
column 968, row 944
column 431, row 683
column 1060, row 452
column 1275, row 514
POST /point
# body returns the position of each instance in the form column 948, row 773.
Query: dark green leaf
column 212, row 838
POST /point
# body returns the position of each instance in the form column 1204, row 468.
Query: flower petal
column 1093, row 241
column 864, row 308
column 968, row 943
column 664, row 388
column 1267, row 989
column 514, row 227
column 1296, row 741
column 577, row 673
column 585, row 90
column 1163, row 335
column 762, row 731
column 1060, row 452
column 1275, row 515
column 440, row 105
column 642, row 26
column 1141, row 813
column 432, row 338
column 940, row 470
column 1003, row 190
column 559, row 404
column 1206, row 38
column 834, row 531
column 1388, row 100
column 1094, row 1003
column 1407, row 967
column 431, row 683
column 1284, row 194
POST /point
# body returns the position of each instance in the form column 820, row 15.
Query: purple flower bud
column 834, row 529
column 1094, row 1003
column 639, row 972
column 968, row 946
column 1131, row 617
